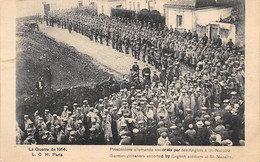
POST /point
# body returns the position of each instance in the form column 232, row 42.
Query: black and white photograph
column 130, row 72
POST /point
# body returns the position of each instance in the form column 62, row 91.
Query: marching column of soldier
column 205, row 107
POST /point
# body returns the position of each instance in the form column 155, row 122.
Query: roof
column 190, row 4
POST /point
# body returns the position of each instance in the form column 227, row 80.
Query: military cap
column 29, row 130
column 233, row 93
column 44, row 136
column 47, row 110
column 236, row 106
column 135, row 130
column 217, row 105
column 73, row 116
column 190, row 126
column 188, row 109
column 164, row 134
column 69, row 112
column 80, row 122
column 206, row 116
column 75, row 104
column 160, row 123
column 140, row 122
column 173, row 127
column 242, row 142
column 40, row 118
column 207, row 123
column 226, row 101
column 72, row 133
column 85, row 101
column 228, row 107
column 26, row 116
column 199, row 123
column 204, row 108
column 92, row 129
column 217, row 118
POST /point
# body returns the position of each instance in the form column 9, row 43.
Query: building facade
column 201, row 17
column 138, row 5
column 105, row 6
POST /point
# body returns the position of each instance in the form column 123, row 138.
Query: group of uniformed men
column 205, row 107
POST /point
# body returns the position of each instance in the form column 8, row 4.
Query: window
column 133, row 5
column 179, row 20
column 138, row 6
column 130, row 5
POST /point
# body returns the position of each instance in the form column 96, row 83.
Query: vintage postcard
column 168, row 79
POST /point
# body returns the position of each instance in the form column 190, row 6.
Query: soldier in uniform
column 107, row 37
column 137, row 51
column 96, row 35
column 100, row 36
column 69, row 27
column 135, row 68
column 146, row 70
column 47, row 77
column 143, row 53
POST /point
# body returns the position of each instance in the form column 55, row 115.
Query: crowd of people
column 205, row 107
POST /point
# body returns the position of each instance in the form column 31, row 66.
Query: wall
column 154, row 5
column 231, row 34
column 143, row 4
column 191, row 17
column 211, row 14
column 187, row 18
column 159, row 6
column 32, row 7
column 28, row 8
column 108, row 5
